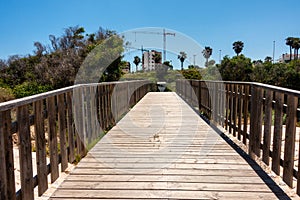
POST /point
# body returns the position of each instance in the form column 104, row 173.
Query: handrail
column 273, row 113
column 65, row 121
column 30, row 99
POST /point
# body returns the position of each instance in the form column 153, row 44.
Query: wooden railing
column 263, row 117
column 64, row 123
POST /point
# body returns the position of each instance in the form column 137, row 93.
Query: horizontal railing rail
column 62, row 125
column 264, row 117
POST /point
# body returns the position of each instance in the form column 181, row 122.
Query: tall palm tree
column 296, row 47
column 207, row 51
column 182, row 56
column 289, row 42
column 136, row 61
column 238, row 47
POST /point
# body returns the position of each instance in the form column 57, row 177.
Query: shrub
column 6, row 94
column 30, row 88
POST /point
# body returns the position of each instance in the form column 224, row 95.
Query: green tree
column 238, row 68
column 238, row 47
column 157, row 57
column 268, row 59
column 182, row 56
column 168, row 63
column 191, row 74
column 57, row 65
column 207, row 52
column 136, row 61
column 260, row 72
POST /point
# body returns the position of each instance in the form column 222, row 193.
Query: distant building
column 150, row 59
column 126, row 68
column 286, row 57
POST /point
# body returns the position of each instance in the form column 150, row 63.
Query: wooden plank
column 52, row 138
column 245, row 113
column 164, row 185
column 124, row 165
column 227, row 106
column 277, row 137
column 298, row 175
column 93, row 111
column 240, row 106
column 41, row 163
column 235, row 107
column 215, row 100
column 267, row 127
column 231, row 103
column 255, row 121
column 62, row 131
column 26, row 172
column 289, row 146
column 88, row 114
column 7, row 178
column 3, row 172
column 160, row 194
column 70, row 128
column 199, row 96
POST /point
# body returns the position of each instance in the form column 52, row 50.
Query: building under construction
column 151, row 59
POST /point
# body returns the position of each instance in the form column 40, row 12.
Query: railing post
column 289, row 147
column 7, row 178
column 255, row 121
column 277, row 136
column 52, row 138
column 235, row 105
column 245, row 113
column 267, row 126
column 70, row 127
column 215, row 100
column 62, row 131
column 41, row 162
column 226, row 105
column 26, row 171
column 199, row 96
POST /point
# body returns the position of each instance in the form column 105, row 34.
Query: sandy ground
column 51, row 187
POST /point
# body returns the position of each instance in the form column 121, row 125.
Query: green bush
column 191, row 74
column 30, row 88
column 6, row 94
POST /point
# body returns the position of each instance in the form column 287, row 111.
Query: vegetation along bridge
column 160, row 149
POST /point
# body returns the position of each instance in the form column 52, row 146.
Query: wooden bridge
column 161, row 149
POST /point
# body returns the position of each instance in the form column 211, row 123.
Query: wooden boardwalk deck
column 163, row 150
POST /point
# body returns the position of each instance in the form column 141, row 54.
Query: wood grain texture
column 162, row 151
column 41, row 162
column 26, row 171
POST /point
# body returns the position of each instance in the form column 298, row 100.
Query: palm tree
column 289, row 42
column 207, row 51
column 136, row 61
column 268, row 59
column 238, row 47
column 296, row 47
column 182, row 56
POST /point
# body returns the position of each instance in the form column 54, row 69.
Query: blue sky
column 215, row 23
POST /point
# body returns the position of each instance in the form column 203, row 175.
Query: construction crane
column 140, row 49
column 164, row 34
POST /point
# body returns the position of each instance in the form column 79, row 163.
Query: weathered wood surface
column 163, row 150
